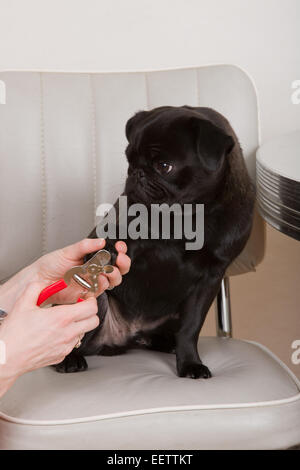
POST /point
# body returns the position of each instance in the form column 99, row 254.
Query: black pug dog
column 184, row 155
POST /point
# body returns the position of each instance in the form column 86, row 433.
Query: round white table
column 278, row 183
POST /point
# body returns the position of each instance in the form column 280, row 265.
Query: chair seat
column 136, row 401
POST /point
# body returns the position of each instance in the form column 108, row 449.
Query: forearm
column 9, row 293
column 8, row 370
column 5, row 381
column 14, row 287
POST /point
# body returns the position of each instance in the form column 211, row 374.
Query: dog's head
column 175, row 155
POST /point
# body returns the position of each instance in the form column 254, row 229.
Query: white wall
column 262, row 36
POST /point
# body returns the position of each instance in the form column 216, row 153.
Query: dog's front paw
column 194, row 370
column 74, row 362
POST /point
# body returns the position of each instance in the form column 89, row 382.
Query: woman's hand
column 53, row 266
column 36, row 337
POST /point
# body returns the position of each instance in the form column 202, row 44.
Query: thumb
column 84, row 247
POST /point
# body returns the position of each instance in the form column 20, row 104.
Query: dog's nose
column 138, row 173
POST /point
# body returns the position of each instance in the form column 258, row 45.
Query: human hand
column 35, row 337
column 51, row 267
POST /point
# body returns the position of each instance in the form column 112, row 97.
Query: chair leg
column 223, row 310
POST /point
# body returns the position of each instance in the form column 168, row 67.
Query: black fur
column 166, row 281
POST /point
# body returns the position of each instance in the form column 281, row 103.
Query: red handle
column 51, row 290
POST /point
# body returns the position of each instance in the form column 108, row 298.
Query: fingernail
column 122, row 246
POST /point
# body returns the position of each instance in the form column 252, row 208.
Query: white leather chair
column 62, row 147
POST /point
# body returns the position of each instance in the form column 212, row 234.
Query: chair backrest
column 62, row 144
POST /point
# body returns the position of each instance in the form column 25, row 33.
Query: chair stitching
column 197, row 87
column 43, row 166
column 94, row 146
column 147, row 90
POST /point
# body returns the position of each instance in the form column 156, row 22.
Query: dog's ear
column 213, row 144
column 132, row 123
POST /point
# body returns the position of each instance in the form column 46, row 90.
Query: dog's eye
column 163, row 167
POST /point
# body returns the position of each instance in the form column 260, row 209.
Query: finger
column 121, row 247
column 103, row 284
column 89, row 324
column 123, row 262
column 80, row 249
column 76, row 330
column 75, row 312
column 114, row 278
